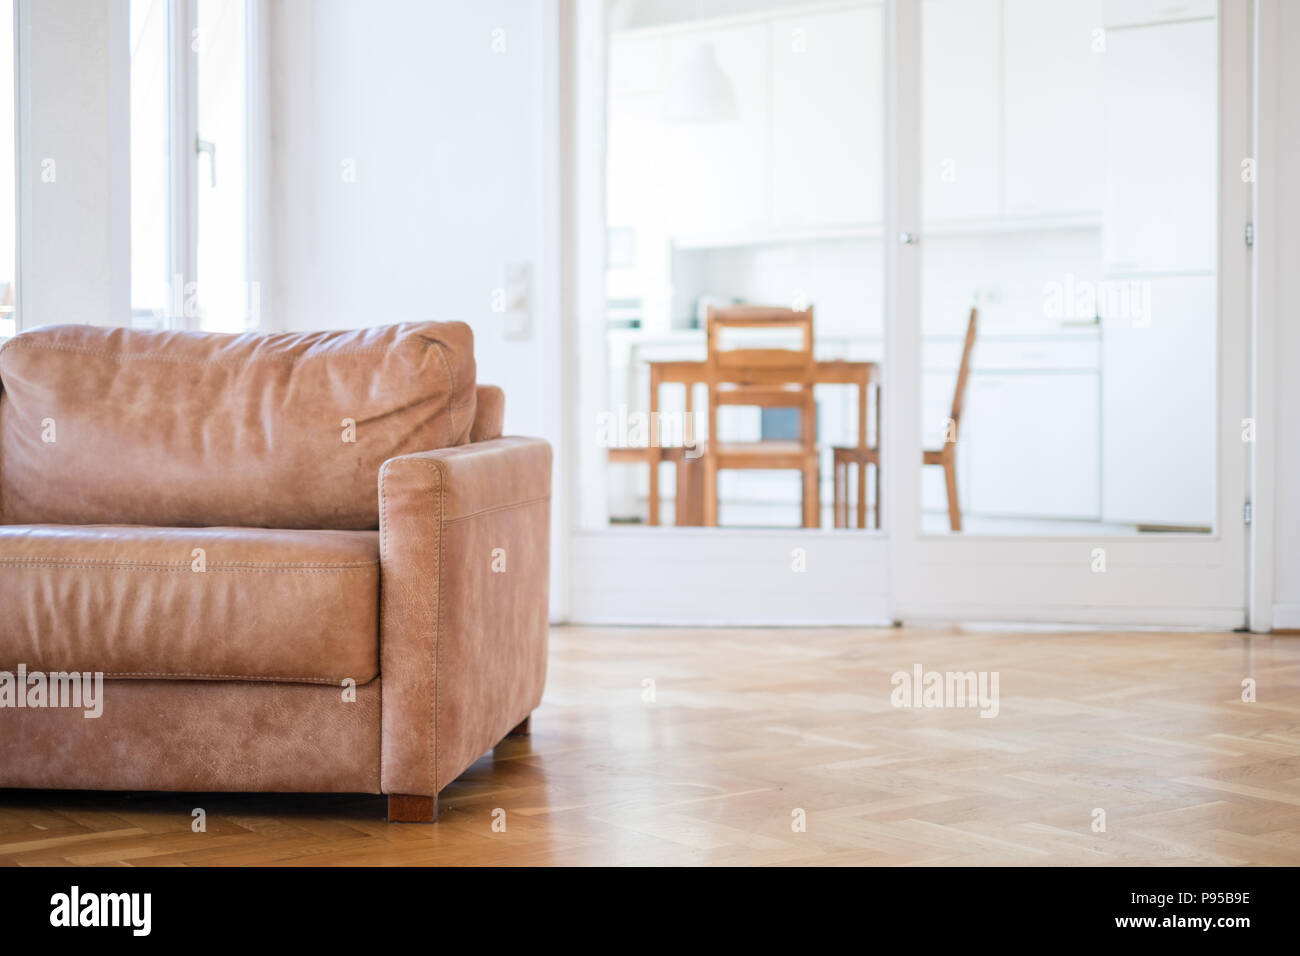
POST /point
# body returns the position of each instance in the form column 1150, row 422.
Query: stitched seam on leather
column 435, row 711
column 507, row 507
column 214, row 564
column 187, row 360
column 129, row 566
column 437, row 640
column 296, row 680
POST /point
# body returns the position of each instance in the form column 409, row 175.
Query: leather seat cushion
column 190, row 603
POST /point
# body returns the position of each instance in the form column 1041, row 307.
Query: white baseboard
column 1286, row 617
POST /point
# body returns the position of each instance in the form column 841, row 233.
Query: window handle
column 202, row 146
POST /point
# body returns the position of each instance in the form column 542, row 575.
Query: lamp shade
column 699, row 91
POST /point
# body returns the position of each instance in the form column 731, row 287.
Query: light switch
column 519, row 301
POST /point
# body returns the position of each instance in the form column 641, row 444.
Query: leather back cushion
column 490, row 415
column 122, row 426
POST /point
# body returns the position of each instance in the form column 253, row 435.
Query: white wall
column 74, row 162
column 413, row 158
column 1287, row 352
column 445, row 137
column 8, row 196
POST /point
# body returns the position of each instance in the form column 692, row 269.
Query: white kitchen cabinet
column 1158, row 407
column 827, row 118
column 1160, row 89
column 1034, row 444
column 718, row 173
column 1052, row 162
column 961, row 110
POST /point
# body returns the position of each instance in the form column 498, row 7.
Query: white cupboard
column 827, row 109
column 961, row 174
column 1052, row 107
column 1159, row 247
column 1160, row 149
column 1158, row 407
column 1034, row 444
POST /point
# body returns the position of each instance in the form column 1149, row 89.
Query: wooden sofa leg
column 523, row 729
column 406, row 808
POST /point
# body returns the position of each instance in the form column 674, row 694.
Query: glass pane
column 1069, row 184
column 744, row 169
column 150, row 162
column 223, row 294
column 8, row 190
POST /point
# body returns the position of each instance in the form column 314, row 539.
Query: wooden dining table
column 864, row 375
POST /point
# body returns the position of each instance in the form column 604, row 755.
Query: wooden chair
column 864, row 454
column 945, row 457
column 763, row 378
column 690, row 479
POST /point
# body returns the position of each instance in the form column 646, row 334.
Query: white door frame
column 1264, row 259
column 735, row 577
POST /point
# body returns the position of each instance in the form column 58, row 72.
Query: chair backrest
column 963, row 371
column 761, row 366
column 767, row 377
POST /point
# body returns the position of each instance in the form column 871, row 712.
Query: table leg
column 652, row 451
column 840, row 505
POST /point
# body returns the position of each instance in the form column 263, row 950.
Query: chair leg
column 690, row 506
column 408, row 808
column 876, row 508
column 710, row 493
column 954, row 506
column 862, row 494
column 523, row 729
column 653, row 499
column 811, row 497
column 840, row 504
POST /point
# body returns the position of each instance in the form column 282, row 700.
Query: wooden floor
column 749, row 726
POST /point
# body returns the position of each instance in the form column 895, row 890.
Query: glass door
column 740, row 148
column 1073, row 311
column 1026, row 216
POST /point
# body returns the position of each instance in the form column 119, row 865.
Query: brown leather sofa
column 301, row 562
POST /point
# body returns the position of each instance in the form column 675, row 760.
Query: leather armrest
column 464, row 580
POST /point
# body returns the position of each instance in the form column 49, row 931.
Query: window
column 8, row 182
column 150, row 188
column 222, row 234
column 189, row 165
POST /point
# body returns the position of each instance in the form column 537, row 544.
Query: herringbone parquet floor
column 740, row 730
